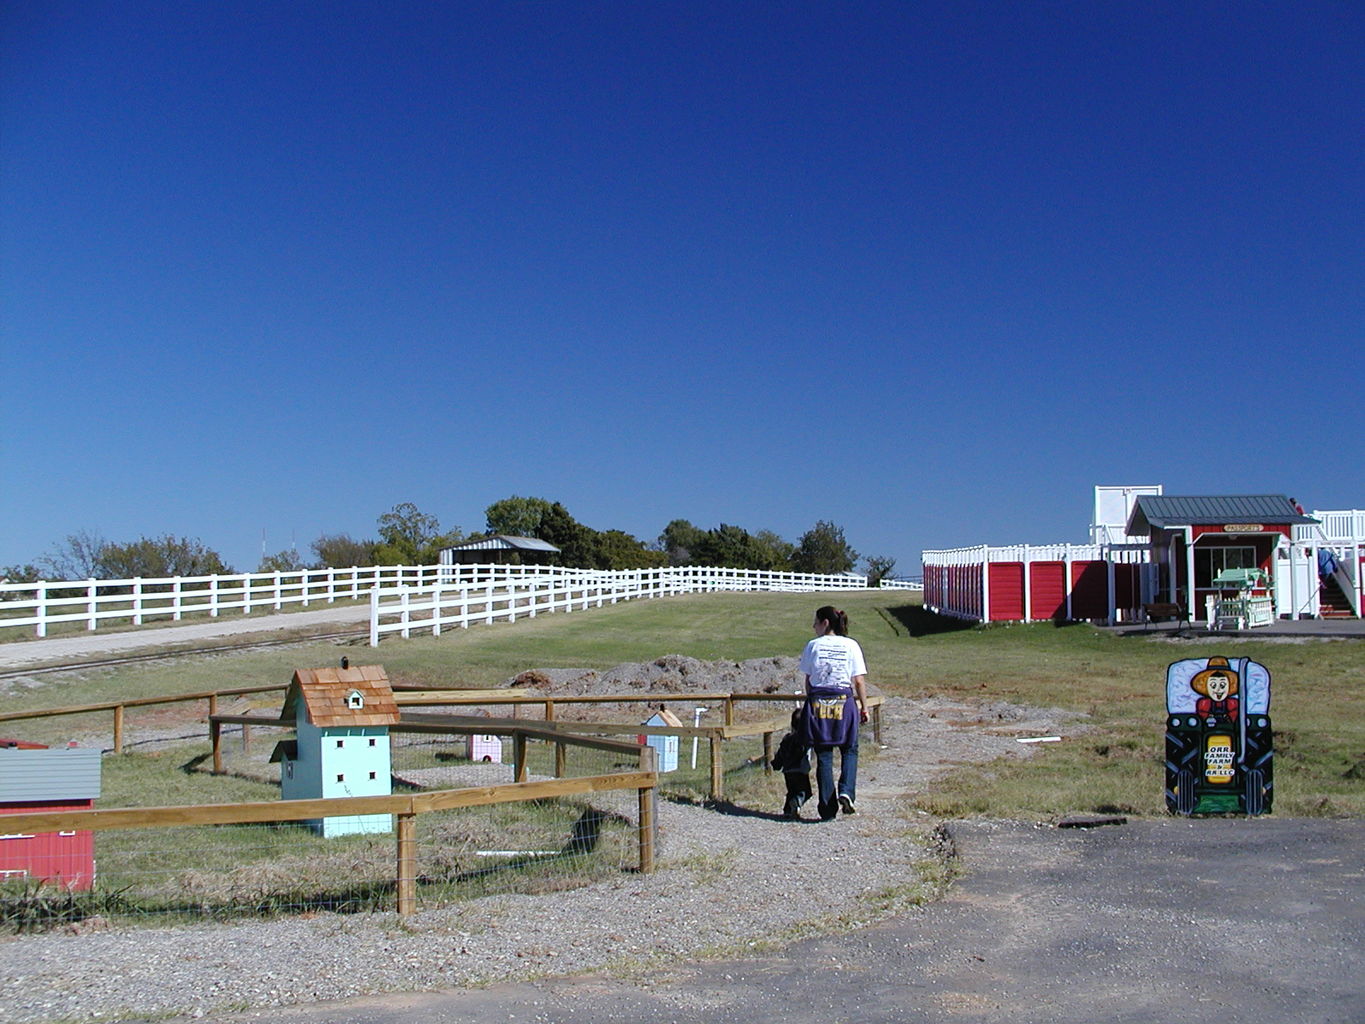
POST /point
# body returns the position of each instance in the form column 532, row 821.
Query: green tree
column 409, row 536
column 822, row 549
column 577, row 543
column 19, row 573
column 515, row 516
column 679, row 540
column 160, row 556
column 878, row 568
column 341, row 551
column 726, row 545
column 617, row 549
column 771, row 552
column 287, row 560
column 76, row 558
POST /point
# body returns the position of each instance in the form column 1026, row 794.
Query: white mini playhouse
column 342, row 718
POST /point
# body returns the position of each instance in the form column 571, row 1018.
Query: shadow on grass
column 918, row 622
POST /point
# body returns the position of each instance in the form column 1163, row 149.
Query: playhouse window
column 355, row 700
column 372, row 776
column 341, row 778
column 340, row 744
column 1213, row 560
column 371, row 742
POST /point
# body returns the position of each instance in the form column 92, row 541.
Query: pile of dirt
column 669, row 676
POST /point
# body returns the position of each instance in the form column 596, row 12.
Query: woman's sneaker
column 846, row 804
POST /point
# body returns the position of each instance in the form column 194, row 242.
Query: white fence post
column 175, row 600
column 91, row 607
column 137, row 601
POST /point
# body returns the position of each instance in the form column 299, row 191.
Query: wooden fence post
column 717, row 766
column 118, row 729
column 406, row 883
column 647, row 795
column 519, row 757
column 216, row 738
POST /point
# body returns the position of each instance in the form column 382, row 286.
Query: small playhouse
column 341, row 745
column 35, row 778
column 665, row 746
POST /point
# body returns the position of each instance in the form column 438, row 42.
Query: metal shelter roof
column 501, row 542
column 1160, row 511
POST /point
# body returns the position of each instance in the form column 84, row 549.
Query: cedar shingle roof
column 324, row 692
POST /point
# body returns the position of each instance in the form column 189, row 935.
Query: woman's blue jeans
column 824, row 775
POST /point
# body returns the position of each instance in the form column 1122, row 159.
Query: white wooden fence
column 516, row 590
column 502, row 598
column 135, row 601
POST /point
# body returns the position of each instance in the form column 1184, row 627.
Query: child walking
column 793, row 761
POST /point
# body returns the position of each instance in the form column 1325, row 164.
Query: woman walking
column 836, row 703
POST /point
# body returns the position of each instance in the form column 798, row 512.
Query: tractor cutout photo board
column 1218, row 740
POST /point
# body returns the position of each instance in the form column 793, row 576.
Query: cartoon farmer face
column 1217, row 681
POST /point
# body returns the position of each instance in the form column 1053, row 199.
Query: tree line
column 405, row 535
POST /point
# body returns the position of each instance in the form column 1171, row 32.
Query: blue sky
column 929, row 270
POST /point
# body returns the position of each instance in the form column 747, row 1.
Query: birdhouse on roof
column 341, row 746
column 665, row 746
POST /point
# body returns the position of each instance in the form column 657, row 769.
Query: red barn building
column 35, row 778
column 1257, row 554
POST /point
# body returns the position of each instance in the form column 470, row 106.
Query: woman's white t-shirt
column 832, row 661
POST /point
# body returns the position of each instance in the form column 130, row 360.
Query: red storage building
column 36, row 778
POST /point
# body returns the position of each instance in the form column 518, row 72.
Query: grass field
column 1318, row 697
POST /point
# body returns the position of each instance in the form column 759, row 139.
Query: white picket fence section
column 503, row 598
column 93, row 603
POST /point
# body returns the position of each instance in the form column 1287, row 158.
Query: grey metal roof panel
column 1158, row 510
column 504, row 543
column 55, row 773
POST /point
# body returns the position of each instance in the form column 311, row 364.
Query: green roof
column 1159, row 511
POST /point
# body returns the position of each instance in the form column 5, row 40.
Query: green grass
column 1318, row 700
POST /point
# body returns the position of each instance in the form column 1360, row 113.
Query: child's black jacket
column 792, row 754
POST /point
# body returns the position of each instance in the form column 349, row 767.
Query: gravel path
column 725, row 882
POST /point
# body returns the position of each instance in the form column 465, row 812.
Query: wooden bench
column 1159, row 610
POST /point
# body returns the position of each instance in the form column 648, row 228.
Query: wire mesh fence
column 495, row 844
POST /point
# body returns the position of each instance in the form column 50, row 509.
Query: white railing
column 1344, row 527
column 460, row 603
column 136, row 601
column 101, row 603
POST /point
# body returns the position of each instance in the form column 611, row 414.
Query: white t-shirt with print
column 832, row 661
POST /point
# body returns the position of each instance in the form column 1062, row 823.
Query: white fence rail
column 500, row 598
column 94, row 604
column 135, row 601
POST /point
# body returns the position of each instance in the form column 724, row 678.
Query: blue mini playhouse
column 666, row 746
column 342, row 718
column 1219, row 749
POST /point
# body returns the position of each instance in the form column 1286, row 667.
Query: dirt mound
column 667, row 676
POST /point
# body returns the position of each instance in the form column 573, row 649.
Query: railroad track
column 160, row 655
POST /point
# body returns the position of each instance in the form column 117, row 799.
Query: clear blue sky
column 928, row 270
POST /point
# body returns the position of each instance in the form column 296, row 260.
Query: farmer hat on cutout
column 1216, row 667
